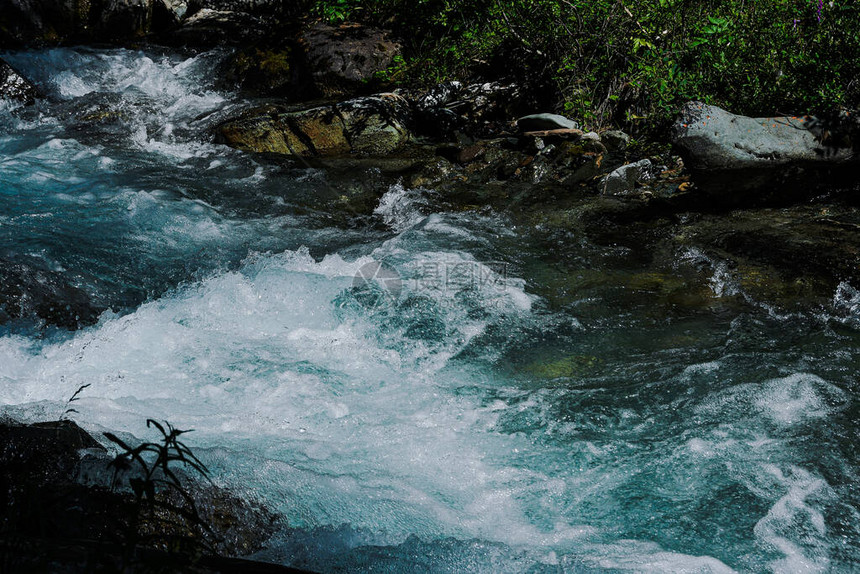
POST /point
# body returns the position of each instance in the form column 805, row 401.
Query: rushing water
column 468, row 424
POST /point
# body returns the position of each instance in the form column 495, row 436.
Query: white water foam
column 332, row 420
column 794, row 524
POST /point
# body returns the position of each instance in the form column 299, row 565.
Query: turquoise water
column 474, row 424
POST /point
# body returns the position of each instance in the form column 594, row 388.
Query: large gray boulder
column 14, row 86
column 712, row 138
column 724, row 150
column 373, row 126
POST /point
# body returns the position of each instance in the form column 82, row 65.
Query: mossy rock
column 568, row 367
column 262, row 71
column 365, row 127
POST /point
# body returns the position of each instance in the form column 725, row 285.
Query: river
column 457, row 409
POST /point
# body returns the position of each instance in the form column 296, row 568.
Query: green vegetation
column 630, row 62
column 164, row 513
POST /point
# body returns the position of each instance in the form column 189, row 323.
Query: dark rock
column 46, row 452
column 615, row 140
column 439, row 123
column 371, row 126
column 120, row 19
column 38, row 22
column 261, row 8
column 342, row 59
column 440, row 96
column 209, row 27
column 264, row 72
column 42, row 21
column 565, row 162
column 478, row 110
column 13, row 86
column 168, row 14
column 28, row 293
column 471, row 153
column 59, row 513
column 738, row 153
column 535, row 142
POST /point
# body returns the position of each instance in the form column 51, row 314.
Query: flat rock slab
column 540, row 122
column 567, row 133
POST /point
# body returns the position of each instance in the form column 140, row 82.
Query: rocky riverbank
column 65, row 510
column 735, row 180
column 743, row 213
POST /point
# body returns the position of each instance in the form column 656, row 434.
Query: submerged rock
column 14, row 86
column 371, row 126
column 728, row 151
column 806, row 245
column 28, row 293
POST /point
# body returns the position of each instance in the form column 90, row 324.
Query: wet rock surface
column 120, row 19
column 625, row 178
column 14, row 86
column 41, row 21
column 45, row 22
column 372, row 126
column 453, row 110
column 30, row 293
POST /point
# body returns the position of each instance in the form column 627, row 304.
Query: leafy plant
column 630, row 62
column 335, row 11
column 76, row 396
column 164, row 513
